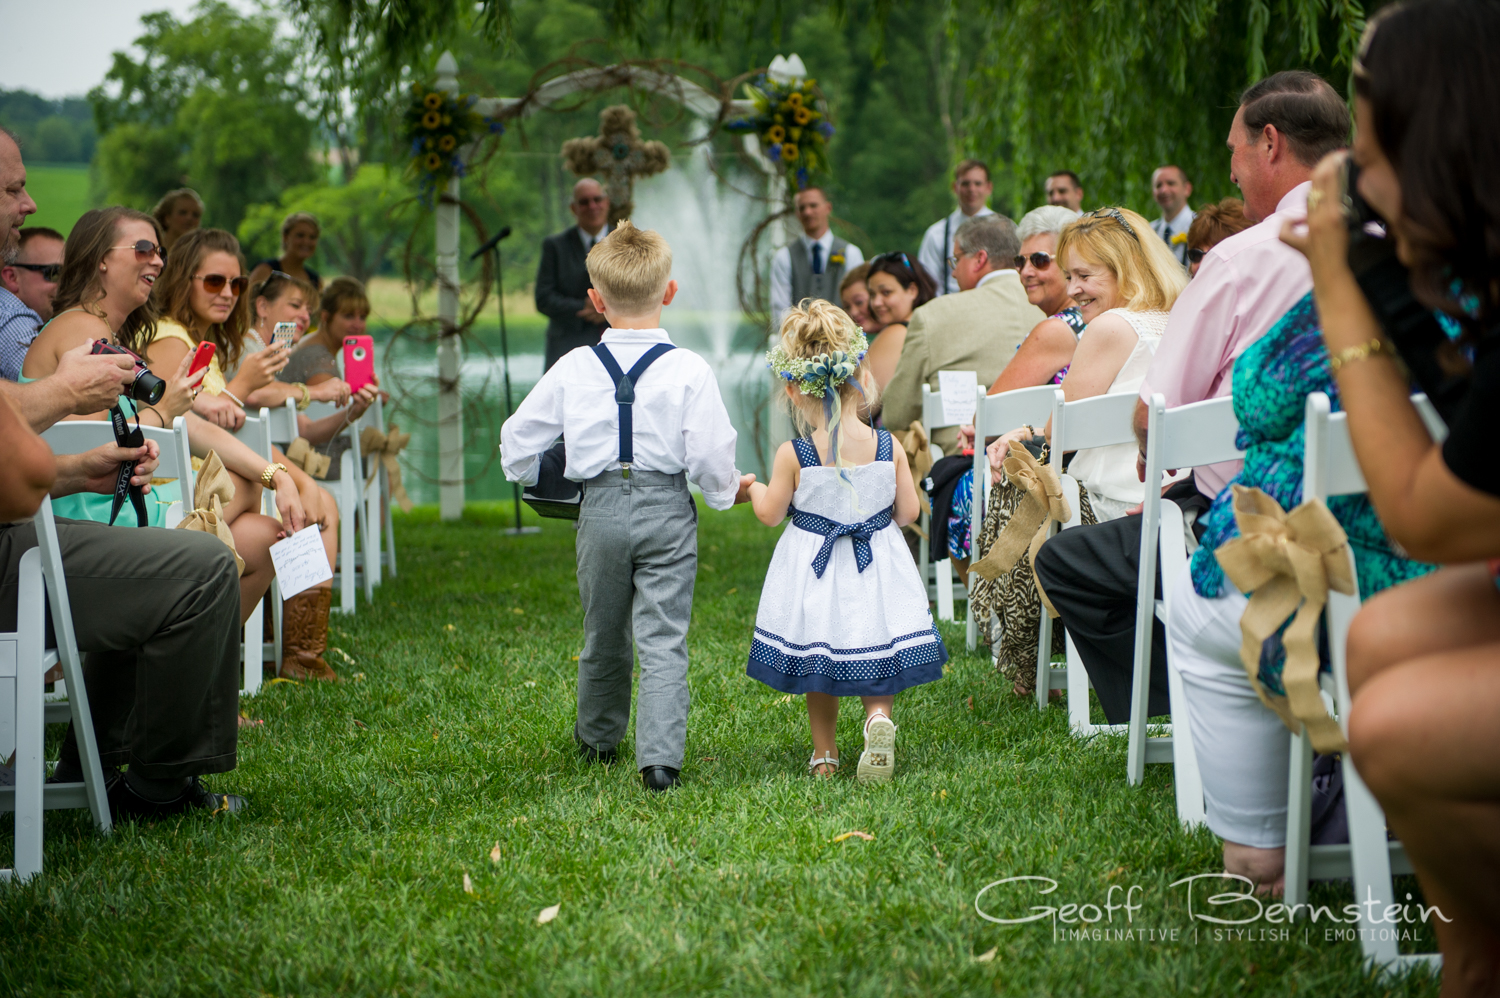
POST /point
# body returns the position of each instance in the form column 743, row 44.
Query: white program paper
column 958, row 395
column 300, row 561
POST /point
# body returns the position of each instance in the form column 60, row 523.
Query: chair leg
column 1298, row 819
column 1188, row 782
column 30, row 771
column 252, row 651
column 1044, row 663
column 1370, row 857
column 390, row 526
column 348, row 510
column 944, row 578
column 370, row 540
column 1078, row 691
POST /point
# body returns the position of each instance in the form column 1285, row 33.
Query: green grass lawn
column 61, row 192
column 446, row 753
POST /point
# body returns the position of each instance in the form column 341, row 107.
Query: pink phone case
column 359, row 361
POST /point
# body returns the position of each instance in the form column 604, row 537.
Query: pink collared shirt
column 1244, row 285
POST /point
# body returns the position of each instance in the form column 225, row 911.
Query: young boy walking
column 639, row 418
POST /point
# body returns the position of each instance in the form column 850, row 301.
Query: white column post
column 450, row 344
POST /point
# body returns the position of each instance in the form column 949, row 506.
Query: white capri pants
column 1243, row 748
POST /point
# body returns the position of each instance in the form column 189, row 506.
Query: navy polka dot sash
column 859, row 534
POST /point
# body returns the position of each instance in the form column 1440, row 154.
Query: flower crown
column 815, row 376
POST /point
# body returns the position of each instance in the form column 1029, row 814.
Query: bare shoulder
column 1108, row 327
column 1053, row 330
column 62, row 334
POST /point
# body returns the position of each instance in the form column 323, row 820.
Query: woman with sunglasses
column 898, row 286
column 111, row 268
column 1044, row 355
column 1213, row 224
column 299, row 241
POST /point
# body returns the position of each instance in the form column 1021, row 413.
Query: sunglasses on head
column 214, row 283
column 49, row 271
column 1039, row 260
column 893, row 257
column 1114, row 214
column 1195, row 255
column 145, row 249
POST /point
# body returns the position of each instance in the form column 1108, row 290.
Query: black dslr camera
column 146, row 387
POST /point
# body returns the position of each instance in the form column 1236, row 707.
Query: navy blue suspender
column 625, row 397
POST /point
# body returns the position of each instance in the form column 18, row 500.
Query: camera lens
column 147, row 388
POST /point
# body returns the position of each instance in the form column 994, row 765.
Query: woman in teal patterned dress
column 1241, row 745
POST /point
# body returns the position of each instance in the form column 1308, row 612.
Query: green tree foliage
column 362, row 221
column 51, row 131
column 213, row 104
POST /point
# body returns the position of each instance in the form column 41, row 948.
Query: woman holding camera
column 1424, row 657
column 113, row 261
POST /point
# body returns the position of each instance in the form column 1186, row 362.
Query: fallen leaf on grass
column 529, row 683
column 781, row 700
column 1112, row 874
column 495, row 852
column 468, row 885
column 359, row 677
column 518, row 820
column 359, row 723
column 732, row 591
column 343, row 655
column 862, row 835
column 517, row 610
column 547, row 914
column 282, row 679
column 708, row 758
column 971, row 703
column 575, row 658
column 987, row 955
column 449, row 627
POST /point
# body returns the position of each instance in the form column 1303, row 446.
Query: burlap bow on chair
column 211, row 490
column 1288, row 562
column 1029, row 525
column 919, row 458
column 387, row 447
column 302, row 454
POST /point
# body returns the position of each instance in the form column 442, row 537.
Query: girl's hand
column 181, row 390
column 260, row 368
column 1324, row 237
column 333, row 390
column 998, row 451
column 219, row 410
column 362, row 401
column 289, row 503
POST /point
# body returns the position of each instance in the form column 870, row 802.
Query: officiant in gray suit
column 562, row 280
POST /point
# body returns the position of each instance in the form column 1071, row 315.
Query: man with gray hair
column 976, row 330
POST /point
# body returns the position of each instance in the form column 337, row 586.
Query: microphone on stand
column 481, row 251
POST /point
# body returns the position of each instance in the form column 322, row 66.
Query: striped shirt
column 18, row 327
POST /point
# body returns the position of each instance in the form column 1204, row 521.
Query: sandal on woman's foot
column 877, row 763
column 822, row 760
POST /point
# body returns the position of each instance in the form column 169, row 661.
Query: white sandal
column 877, row 763
column 822, row 760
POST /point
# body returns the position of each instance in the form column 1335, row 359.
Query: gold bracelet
column 306, row 396
column 1351, row 355
column 270, row 473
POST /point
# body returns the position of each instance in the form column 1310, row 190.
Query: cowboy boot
column 305, row 636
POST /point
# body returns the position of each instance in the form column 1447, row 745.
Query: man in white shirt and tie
column 971, row 183
column 815, row 264
column 1170, row 187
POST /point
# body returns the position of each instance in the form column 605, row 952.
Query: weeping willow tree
column 1109, row 89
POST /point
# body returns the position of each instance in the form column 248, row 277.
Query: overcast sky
column 62, row 48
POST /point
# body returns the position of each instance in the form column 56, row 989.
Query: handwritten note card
column 958, row 395
column 300, row 561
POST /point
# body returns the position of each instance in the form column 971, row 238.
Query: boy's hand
column 743, row 495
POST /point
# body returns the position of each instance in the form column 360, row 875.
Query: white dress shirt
column 680, row 423
column 1177, row 226
column 933, row 252
column 781, row 270
column 588, row 240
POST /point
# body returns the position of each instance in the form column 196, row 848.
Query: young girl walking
column 843, row 612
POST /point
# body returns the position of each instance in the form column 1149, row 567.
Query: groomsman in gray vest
column 814, row 265
column 972, row 187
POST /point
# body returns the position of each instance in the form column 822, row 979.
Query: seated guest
column 26, row 287
column 106, row 292
column 898, row 287
column 1125, row 280
column 1213, row 224
column 855, row 294
column 177, row 213
column 1044, row 355
column 1284, row 125
column 977, row 330
column 1424, row 658
column 299, row 241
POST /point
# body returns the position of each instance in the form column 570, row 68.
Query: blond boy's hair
column 630, row 269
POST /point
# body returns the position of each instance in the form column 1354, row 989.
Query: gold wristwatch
column 270, row 473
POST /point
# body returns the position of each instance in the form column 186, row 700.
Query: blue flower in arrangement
column 801, row 177
column 773, row 153
column 826, row 128
column 817, row 376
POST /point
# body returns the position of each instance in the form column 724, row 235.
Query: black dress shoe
column 590, row 754
column 659, row 778
column 126, row 802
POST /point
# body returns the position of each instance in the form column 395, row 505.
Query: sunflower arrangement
column 438, row 127
column 791, row 121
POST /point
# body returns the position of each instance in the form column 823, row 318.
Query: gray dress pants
column 157, row 617
column 637, row 561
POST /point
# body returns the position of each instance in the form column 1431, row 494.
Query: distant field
column 61, row 193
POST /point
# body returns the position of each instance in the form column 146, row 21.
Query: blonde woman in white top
column 1124, row 286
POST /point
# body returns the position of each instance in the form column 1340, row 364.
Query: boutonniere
column 1179, row 239
column 837, row 259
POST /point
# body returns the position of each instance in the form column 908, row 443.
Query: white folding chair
column 24, row 711
column 347, row 494
column 256, row 434
column 944, row 588
column 1100, row 421
column 74, row 436
column 1330, row 468
column 1185, row 437
column 384, row 514
column 995, row 415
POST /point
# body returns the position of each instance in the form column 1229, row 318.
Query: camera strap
column 625, row 397
column 127, row 436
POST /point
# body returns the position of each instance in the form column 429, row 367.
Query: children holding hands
column 840, row 619
column 639, row 419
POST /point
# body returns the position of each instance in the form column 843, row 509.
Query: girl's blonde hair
column 1150, row 277
column 816, row 328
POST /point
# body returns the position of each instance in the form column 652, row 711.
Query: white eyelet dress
column 843, row 610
